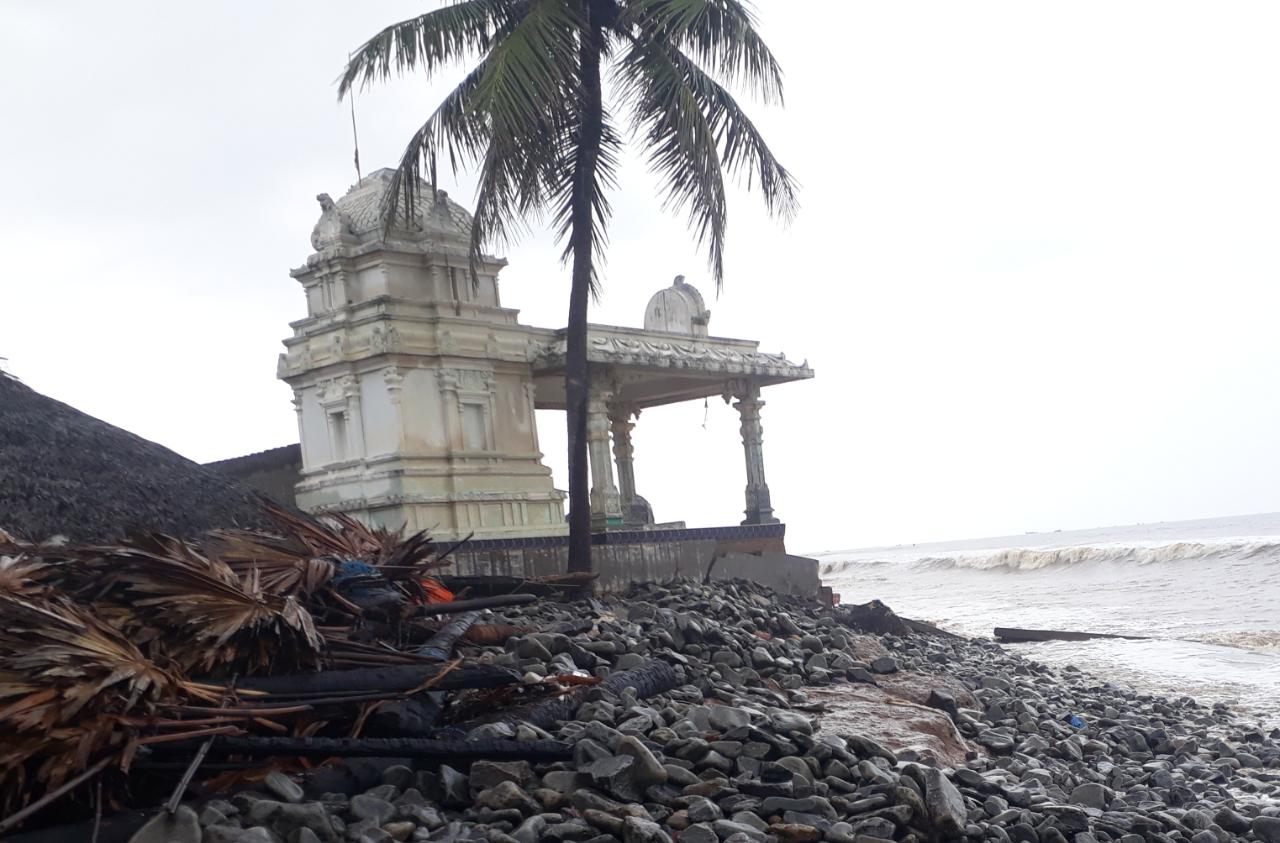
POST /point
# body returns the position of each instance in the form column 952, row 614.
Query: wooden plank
column 1013, row 635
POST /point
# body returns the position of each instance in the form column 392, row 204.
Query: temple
column 415, row 389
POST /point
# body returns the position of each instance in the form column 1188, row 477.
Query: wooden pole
column 53, row 795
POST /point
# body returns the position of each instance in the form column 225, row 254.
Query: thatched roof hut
column 63, row 472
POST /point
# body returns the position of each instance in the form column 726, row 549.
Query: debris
column 1011, row 635
column 440, row 645
column 111, row 654
column 459, row 606
column 381, row 679
column 439, row 750
column 654, row 677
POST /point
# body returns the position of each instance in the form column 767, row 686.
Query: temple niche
column 415, row 389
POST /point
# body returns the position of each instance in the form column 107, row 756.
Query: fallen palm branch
column 205, row 616
column 452, row 750
column 66, row 681
column 303, row 640
column 386, row 679
column 649, row 679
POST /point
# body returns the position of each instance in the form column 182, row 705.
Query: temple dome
column 678, row 309
column 358, row 216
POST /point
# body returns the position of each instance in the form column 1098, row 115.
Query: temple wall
column 622, row 558
column 274, row 473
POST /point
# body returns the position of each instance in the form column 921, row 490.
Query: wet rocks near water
column 984, row 746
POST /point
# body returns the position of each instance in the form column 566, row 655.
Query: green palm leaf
column 428, row 41
column 695, row 130
column 718, row 34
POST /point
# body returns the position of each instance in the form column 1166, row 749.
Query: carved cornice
column 698, row 356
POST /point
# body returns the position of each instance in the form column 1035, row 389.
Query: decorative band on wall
column 743, row 532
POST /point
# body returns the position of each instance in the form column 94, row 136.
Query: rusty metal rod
column 456, row 607
column 54, row 795
column 498, row 750
column 440, row 646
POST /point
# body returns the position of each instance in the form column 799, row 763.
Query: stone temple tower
column 412, row 383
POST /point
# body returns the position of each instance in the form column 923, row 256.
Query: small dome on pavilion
column 678, row 309
column 358, row 216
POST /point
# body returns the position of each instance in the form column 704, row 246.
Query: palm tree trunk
column 576, row 376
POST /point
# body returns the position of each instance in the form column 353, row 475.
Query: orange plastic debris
column 435, row 591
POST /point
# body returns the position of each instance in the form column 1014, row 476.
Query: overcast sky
column 1034, row 269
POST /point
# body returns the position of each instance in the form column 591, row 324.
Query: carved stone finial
column 678, row 309
column 333, row 227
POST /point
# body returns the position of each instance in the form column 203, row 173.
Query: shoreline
column 741, row 751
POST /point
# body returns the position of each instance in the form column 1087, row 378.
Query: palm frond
column 23, row 573
column 561, row 189
column 201, row 614
column 516, row 180
column 532, row 66
column 509, row 114
column 695, row 130
column 285, row 565
column 719, row 34
column 456, row 130
column 428, row 41
column 66, row 680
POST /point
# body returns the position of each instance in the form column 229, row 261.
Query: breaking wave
column 1258, row 640
column 1035, row 559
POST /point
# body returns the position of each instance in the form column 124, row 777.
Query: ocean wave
column 840, row 566
column 1035, row 559
column 1257, row 640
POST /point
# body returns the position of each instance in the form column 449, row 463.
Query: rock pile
column 738, row 753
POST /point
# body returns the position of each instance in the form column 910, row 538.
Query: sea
column 1204, row 594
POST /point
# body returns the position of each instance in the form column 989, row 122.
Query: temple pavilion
column 415, row 389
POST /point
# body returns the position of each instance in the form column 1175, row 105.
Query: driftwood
column 649, row 679
column 1012, row 635
column 926, row 628
column 542, row 586
column 17, row 817
column 457, row 607
column 498, row 750
column 383, row 679
column 441, row 645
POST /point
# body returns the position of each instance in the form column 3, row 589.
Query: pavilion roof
column 652, row 368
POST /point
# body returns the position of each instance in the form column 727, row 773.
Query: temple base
column 622, row 557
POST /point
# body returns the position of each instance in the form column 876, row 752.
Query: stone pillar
column 394, row 380
column 759, row 508
column 449, row 385
column 621, row 424
column 636, row 511
column 302, row 433
column 355, row 419
column 606, row 503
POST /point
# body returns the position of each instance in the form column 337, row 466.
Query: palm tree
column 532, row 113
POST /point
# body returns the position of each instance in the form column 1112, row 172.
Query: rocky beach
column 789, row 721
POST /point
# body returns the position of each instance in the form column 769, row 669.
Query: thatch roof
column 63, row 472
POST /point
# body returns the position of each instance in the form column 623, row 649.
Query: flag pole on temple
column 355, row 138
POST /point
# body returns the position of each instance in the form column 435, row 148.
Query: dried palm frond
column 65, row 680
column 285, row 565
column 9, row 542
column 202, row 614
column 23, row 574
column 347, row 538
column 415, row 554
